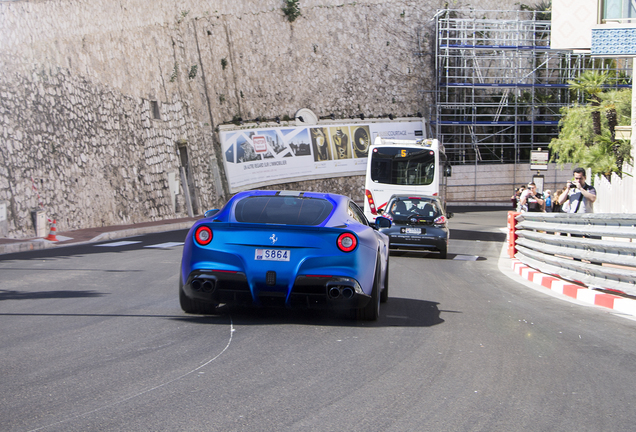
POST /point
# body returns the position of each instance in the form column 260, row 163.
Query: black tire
column 443, row 252
column 191, row 306
column 384, row 295
column 371, row 311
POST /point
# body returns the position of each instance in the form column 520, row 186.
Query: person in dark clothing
column 531, row 200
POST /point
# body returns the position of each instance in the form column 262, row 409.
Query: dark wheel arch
column 371, row 311
column 384, row 294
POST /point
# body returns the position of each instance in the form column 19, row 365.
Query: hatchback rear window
column 283, row 210
column 413, row 206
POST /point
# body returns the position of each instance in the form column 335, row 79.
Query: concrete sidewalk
column 93, row 235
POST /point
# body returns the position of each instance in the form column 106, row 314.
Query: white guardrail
column 595, row 249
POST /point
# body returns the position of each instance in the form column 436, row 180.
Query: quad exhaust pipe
column 341, row 292
column 205, row 285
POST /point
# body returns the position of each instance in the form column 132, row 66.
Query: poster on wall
column 261, row 157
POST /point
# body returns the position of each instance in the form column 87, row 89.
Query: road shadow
column 397, row 312
column 417, row 254
column 485, row 236
column 435, row 256
column 39, row 295
column 63, row 270
column 477, row 208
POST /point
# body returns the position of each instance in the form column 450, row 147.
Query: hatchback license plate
column 409, row 230
column 272, row 255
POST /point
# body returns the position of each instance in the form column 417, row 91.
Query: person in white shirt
column 580, row 195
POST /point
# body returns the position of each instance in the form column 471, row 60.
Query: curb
column 25, row 246
column 38, row 244
column 578, row 292
column 132, row 232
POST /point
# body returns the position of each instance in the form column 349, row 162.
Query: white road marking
column 143, row 392
column 119, row 243
column 465, row 257
column 165, row 245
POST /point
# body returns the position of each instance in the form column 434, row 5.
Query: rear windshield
column 402, row 208
column 283, row 210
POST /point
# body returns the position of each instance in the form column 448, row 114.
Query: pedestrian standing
column 548, row 201
column 531, row 200
column 556, row 206
column 579, row 194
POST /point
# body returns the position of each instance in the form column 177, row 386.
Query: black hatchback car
column 419, row 224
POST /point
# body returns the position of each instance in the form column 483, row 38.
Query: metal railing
column 597, row 250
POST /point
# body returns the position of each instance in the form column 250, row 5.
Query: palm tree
column 543, row 9
column 615, row 104
column 591, row 82
column 593, row 143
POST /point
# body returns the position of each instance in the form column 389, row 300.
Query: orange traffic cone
column 52, row 236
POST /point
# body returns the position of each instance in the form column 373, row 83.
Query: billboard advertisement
column 257, row 157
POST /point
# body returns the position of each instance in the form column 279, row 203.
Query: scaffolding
column 499, row 86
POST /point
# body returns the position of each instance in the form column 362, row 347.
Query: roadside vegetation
column 587, row 135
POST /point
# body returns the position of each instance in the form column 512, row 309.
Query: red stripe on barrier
column 606, row 300
column 547, row 281
column 571, row 290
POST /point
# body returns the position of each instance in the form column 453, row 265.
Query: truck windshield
column 402, row 166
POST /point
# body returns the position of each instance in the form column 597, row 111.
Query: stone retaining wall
column 103, row 101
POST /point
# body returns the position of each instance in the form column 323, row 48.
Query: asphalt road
column 93, row 339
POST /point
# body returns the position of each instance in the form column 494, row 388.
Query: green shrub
column 291, row 10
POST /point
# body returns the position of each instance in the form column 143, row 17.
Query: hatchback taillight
column 347, row 242
column 203, row 235
column 440, row 220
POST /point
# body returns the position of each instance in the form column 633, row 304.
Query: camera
column 571, row 185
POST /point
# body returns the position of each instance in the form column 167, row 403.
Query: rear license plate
column 272, row 255
column 409, row 230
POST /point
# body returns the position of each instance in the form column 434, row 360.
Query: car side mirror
column 382, row 222
column 448, row 171
column 450, row 215
column 210, row 213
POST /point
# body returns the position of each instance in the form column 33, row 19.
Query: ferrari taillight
column 440, row 220
column 347, row 242
column 203, row 235
column 367, row 192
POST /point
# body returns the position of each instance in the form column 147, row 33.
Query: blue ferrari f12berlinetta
column 286, row 248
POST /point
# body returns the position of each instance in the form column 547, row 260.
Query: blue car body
column 284, row 248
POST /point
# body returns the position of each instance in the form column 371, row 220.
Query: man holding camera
column 581, row 195
column 531, row 200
